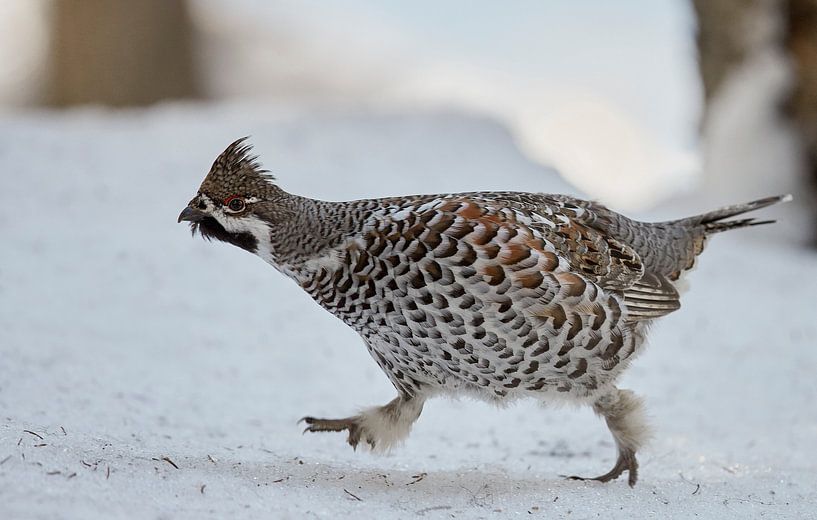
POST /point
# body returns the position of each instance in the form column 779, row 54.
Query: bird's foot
column 381, row 427
column 351, row 424
column 626, row 462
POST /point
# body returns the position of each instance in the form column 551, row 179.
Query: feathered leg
column 624, row 413
column 381, row 427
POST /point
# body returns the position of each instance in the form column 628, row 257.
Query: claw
column 350, row 424
column 308, row 420
column 625, row 462
column 327, row 425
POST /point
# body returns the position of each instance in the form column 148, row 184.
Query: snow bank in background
column 144, row 374
column 603, row 151
column 617, row 116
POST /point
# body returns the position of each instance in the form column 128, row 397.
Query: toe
column 354, row 437
column 626, row 462
column 632, row 469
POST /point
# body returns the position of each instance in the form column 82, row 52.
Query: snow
column 144, row 374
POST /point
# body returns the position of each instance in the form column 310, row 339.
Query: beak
column 189, row 214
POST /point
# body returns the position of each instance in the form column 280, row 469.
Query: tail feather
column 714, row 221
column 717, row 227
column 670, row 248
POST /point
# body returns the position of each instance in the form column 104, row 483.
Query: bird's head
column 237, row 202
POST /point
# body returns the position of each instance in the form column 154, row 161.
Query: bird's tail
column 670, row 248
column 715, row 221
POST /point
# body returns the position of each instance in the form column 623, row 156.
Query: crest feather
column 239, row 156
column 236, row 171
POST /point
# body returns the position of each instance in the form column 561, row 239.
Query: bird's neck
column 307, row 232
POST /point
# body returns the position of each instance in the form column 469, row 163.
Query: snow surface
column 144, row 374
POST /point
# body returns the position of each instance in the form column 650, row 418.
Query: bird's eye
column 236, row 204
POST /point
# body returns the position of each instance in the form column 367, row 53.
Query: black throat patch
column 210, row 229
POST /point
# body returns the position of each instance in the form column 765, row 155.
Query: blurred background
column 635, row 103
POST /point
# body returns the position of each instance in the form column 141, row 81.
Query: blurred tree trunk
column 121, row 52
column 722, row 44
column 801, row 42
column 733, row 32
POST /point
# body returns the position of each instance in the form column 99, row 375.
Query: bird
column 497, row 295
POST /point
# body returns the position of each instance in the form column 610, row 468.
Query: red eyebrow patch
column 231, row 197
